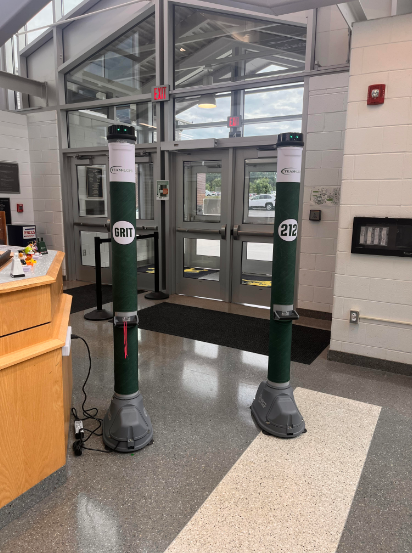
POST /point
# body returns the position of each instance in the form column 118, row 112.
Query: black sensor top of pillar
column 121, row 132
column 290, row 139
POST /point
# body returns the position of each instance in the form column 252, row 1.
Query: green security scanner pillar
column 274, row 408
column 126, row 425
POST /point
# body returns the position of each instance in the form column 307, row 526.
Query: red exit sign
column 234, row 121
column 160, row 93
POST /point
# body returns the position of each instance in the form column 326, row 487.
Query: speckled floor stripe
column 288, row 496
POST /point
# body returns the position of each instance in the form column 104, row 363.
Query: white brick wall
column 323, row 167
column 376, row 182
column 45, row 170
column 14, row 146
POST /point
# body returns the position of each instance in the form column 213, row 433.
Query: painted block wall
column 45, row 171
column 14, row 146
column 376, row 182
column 323, row 168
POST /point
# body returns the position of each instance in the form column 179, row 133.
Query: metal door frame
column 97, row 224
column 213, row 230
column 85, row 223
column 145, row 281
column 247, row 232
column 229, row 288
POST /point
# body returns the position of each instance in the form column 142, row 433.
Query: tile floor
column 198, row 396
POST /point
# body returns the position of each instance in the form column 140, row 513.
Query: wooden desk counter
column 35, row 379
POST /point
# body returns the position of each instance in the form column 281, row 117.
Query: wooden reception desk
column 35, row 379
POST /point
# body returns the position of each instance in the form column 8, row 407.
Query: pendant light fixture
column 207, row 101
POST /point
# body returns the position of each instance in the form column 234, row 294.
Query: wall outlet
column 354, row 317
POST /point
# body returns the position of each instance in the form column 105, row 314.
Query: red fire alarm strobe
column 19, row 208
column 376, row 94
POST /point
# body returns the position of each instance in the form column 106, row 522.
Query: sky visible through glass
column 44, row 17
column 258, row 104
column 68, row 5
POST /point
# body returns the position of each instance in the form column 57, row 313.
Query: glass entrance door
column 201, row 224
column 224, row 230
column 147, row 217
column 253, row 223
column 91, row 211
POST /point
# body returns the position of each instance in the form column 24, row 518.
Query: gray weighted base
column 276, row 413
column 127, row 426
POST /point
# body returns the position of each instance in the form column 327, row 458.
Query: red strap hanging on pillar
column 125, row 339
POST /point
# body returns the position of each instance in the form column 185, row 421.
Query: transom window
column 212, row 47
column 125, row 67
column 261, row 111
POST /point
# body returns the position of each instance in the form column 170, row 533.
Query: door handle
column 97, row 225
column 221, row 231
column 238, row 233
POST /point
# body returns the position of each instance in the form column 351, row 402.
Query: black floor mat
column 226, row 329
column 84, row 297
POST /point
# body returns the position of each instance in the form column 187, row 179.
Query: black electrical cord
column 88, row 414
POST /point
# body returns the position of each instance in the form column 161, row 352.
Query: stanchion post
column 98, row 314
column 157, row 294
column 98, row 264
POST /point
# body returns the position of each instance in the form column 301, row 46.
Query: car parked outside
column 263, row 201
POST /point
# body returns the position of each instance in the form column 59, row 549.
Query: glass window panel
column 44, row 17
column 22, row 40
column 278, row 127
column 145, row 256
column 260, row 191
column 202, row 183
column 269, row 102
column 144, row 191
column 92, row 190
column 125, row 67
column 257, row 264
column 87, row 248
column 212, row 47
column 201, row 259
column 266, row 111
column 88, row 127
column 9, row 56
column 193, row 122
column 68, row 5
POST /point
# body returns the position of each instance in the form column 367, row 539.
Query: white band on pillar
column 289, row 164
column 122, row 164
